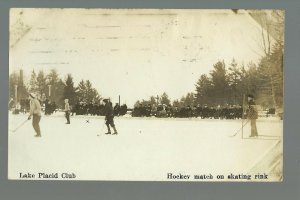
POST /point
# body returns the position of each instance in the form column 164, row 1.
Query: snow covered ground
column 146, row 149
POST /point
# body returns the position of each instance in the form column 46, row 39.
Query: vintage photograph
column 146, row 94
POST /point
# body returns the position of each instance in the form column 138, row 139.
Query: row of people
column 96, row 109
column 49, row 107
column 219, row 112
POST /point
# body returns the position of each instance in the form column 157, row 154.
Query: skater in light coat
column 35, row 112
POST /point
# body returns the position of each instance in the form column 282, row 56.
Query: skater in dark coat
column 35, row 112
column 252, row 115
column 109, row 116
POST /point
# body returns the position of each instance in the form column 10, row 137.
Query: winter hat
column 32, row 95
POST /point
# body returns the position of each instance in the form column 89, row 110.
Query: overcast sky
column 132, row 53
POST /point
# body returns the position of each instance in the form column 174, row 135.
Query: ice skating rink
column 146, row 149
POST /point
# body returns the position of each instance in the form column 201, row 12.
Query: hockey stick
column 19, row 126
column 240, row 129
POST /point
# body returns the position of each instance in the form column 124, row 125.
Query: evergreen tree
column 276, row 59
column 137, row 104
column 81, row 91
column 58, row 93
column 152, row 100
column 176, row 103
column 164, row 99
column 52, row 77
column 89, row 92
column 56, row 87
column 86, row 93
column 235, row 77
column 270, row 72
column 69, row 90
column 189, row 99
column 203, row 90
column 220, row 84
column 41, row 85
column 33, row 83
column 96, row 98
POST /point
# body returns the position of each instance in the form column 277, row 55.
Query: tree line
column 228, row 84
column 53, row 88
column 222, row 85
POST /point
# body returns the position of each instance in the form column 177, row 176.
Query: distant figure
column 117, row 109
column 67, row 111
column 11, row 103
column 35, row 112
column 123, row 109
column 252, row 115
column 109, row 116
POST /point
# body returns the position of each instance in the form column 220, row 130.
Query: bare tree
column 272, row 32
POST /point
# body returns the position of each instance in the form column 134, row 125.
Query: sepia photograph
column 194, row 95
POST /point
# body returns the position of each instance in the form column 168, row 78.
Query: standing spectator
column 67, row 110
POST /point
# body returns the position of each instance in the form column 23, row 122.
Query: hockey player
column 35, row 112
column 109, row 116
column 252, row 115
